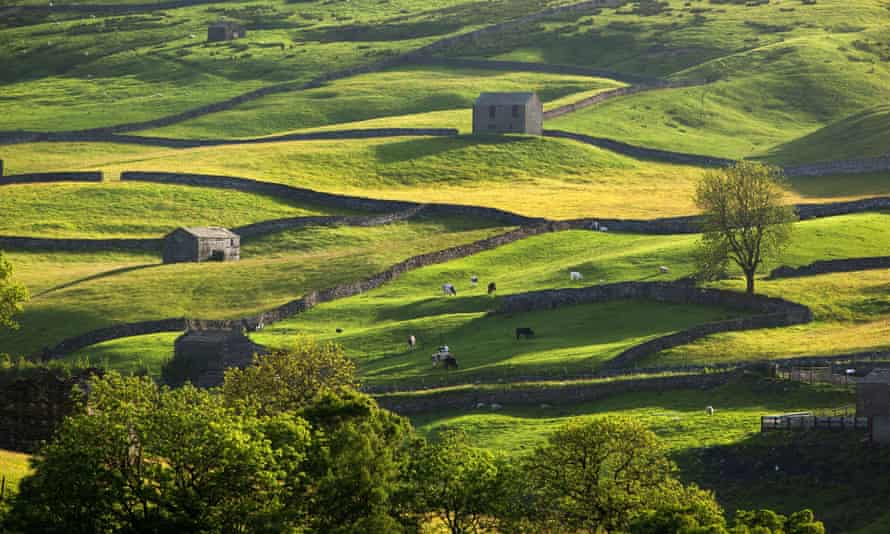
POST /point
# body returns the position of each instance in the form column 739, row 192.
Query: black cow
column 449, row 363
column 524, row 332
column 492, row 287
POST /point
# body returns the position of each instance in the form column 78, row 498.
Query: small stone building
column 201, row 244
column 873, row 401
column 202, row 356
column 500, row 113
column 225, row 31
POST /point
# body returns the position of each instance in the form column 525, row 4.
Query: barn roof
column 226, row 24
column 210, row 232
column 878, row 376
column 505, row 99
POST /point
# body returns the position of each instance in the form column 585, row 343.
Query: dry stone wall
column 49, row 177
column 770, row 312
column 641, row 152
column 521, row 66
column 79, row 245
column 510, row 396
column 832, row 266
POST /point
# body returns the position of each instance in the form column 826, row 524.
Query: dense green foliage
column 12, row 296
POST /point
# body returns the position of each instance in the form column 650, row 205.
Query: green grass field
column 74, row 293
column 393, row 93
column 540, row 177
column 678, row 417
column 13, row 467
column 129, row 209
column 850, row 314
column 71, row 71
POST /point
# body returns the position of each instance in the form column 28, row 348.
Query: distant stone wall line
column 50, row 177
column 439, row 401
column 249, row 231
column 832, row 266
column 615, row 93
column 522, row 66
column 169, row 142
column 639, row 152
column 770, row 312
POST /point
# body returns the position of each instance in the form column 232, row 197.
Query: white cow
column 575, row 275
column 604, row 228
column 448, row 289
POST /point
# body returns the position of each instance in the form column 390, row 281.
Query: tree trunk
column 749, row 277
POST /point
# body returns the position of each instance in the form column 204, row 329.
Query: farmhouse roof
column 878, row 376
column 492, row 99
column 210, row 232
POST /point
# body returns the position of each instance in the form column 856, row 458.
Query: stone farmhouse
column 201, row 244
column 873, row 401
column 225, row 31
column 500, row 113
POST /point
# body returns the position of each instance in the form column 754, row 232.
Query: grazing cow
column 449, row 363
column 604, row 228
column 492, row 287
column 575, row 275
column 524, row 332
column 663, row 270
column 412, row 342
column 339, row 330
column 709, row 410
column 474, row 280
column 442, row 354
column 448, row 289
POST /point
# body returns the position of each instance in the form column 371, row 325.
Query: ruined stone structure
column 202, row 356
column 499, row 113
column 225, row 31
column 201, row 244
column 873, row 401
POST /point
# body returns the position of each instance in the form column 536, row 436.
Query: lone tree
column 744, row 218
column 12, row 296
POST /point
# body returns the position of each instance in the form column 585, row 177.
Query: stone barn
column 225, row 31
column 202, row 356
column 500, row 113
column 201, row 244
column 873, row 401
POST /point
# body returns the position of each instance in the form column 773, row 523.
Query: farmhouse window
column 492, row 112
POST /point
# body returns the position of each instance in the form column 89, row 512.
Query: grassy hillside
column 75, row 293
column 542, row 177
column 678, row 417
column 850, row 315
column 74, row 71
column 392, row 93
column 118, row 209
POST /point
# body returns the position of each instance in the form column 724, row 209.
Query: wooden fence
column 806, row 421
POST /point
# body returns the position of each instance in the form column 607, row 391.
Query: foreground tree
column 358, row 451
column 138, row 458
column 599, row 475
column 745, row 220
column 12, row 296
column 291, row 379
column 462, row 485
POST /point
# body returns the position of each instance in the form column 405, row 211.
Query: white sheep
column 709, row 410
column 575, row 275
column 663, row 270
column 604, row 228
